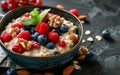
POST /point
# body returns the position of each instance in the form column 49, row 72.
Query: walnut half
column 55, row 21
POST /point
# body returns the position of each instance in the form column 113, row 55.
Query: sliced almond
column 90, row 39
column 87, row 32
column 98, row 37
column 77, row 67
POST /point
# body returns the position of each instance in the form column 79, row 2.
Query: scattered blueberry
column 53, row 53
column 63, row 28
column 11, row 71
column 106, row 34
column 32, row 30
column 35, row 36
column 50, row 45
column 42, row 39
column 90, row 58
column 57, row 31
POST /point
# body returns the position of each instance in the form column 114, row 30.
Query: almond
column 81, row 58
column 23, row 72
column 82, row 17
column 73, row 38
column 68, row 70
column 60, row 6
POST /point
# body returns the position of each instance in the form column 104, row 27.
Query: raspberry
column 5, row 37
column 24, row 34
column 62, row 44
column 42, row 28
column 18, row 48
column 54, row 37
column 19, row 25
column 27, row 14
column 4, row 5
column 35, row 45
column 38, row 2
column 74, row 11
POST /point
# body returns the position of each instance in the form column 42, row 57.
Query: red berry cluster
column 12, row 4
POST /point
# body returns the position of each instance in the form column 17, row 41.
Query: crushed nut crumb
column 87, row 32
column 90, row 39
column 98, row 37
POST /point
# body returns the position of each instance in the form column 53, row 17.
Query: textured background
column 102, row 14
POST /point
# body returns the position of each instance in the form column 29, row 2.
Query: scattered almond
column 37, row 74
column 59, row 6
column 87, row 32
column 23, row 72
column 68, row 70
column 82, row 17
column 83, row 41
column 75, row 62
column 49, row 73
column 83, row 50
column 98, row 37
column 73, row 38
column 90, row 39
column 81, row 58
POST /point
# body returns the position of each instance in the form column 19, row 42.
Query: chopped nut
column 60, row 6
column 75, row 62
column 73, row 29
column 82, row 22
column 98, row 37
column 55, row 21
column 83, row 50
column 26, row 44
column 90, row 39
column 73, row 38
column 87, row 32
column 81, row 58
column 82, row 17
column 77, row 67
column 13, row 31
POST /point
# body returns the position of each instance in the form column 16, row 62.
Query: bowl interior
column 20, row 11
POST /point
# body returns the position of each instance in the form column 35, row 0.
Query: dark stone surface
column 102, row 14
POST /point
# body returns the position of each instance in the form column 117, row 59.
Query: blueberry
column 63, row 28
column 105, row 34
column 26, row 27
column 42, row 39
column 50, row 45
column 90, row 58
column 57, row 31
column 35, row 36
column 32, row 30
column 11, row 71
column 53, row 53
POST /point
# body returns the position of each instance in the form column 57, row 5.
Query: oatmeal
column 40, row 34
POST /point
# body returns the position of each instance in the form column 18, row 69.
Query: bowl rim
column 60, row 55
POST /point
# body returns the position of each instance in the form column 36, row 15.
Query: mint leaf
column 43, row 14
column 35, row 14
column 29, row 21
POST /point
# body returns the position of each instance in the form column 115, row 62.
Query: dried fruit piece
column 60, row 6
column 68, row 70
column 23, row 72
column 73, row 38
column 82, row 17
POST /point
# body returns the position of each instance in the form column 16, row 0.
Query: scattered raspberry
column 19, row 25
column 5, row 37
column 18, row 48
column 62, row 44
column 4, row 5
column 27, row 14
column 24, row 34
column 38, row 2
column 35, row 45
column 53, row 36
column 74, row 11
column 42, row 28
